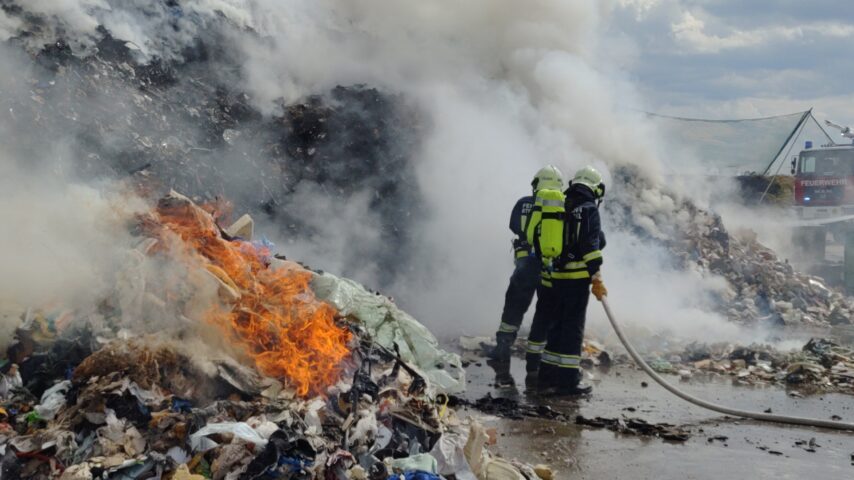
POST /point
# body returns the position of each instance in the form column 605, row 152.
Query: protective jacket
column 518, row 222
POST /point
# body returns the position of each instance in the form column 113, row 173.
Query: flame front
column 275, row 318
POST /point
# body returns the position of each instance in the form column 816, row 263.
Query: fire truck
column 824, row 203
column 824, row 181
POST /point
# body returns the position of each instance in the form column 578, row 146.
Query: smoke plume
column 499, row 89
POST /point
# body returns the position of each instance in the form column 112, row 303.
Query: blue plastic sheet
column 415, row 475
column 180, row 405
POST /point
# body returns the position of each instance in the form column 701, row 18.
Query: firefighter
column 566, row 286
column 526, row 275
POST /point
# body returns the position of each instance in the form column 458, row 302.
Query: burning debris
column 272, row 314
column 344, row 384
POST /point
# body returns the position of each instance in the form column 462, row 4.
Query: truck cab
column 824, row 182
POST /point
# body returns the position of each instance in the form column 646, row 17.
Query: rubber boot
column 546, row 377
column 532, row 362
column 561, row 382
column 501, row 351
column 572, row 386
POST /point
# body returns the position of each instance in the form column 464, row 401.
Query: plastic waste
column 52, row 400
column 415, row 475
column 10, row 381
column 179, row 455
column 388, row 325
column 200, row 443
column 365, row 429
column 484, row 466
column 423, row 462
column 134, row 470
column 179, row 405
column 661, row 365
column 33, row 417
column 282, row 454
column 117, row 436
column 450, row 457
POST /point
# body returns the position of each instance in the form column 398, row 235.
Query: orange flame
column 276, row 319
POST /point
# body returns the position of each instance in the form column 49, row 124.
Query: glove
column 597, row 287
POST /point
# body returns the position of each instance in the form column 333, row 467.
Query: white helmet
column 590, row 178
column 548, row 177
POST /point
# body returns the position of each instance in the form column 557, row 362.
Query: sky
column 724, row 59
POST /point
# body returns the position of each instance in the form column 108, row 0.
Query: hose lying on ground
column 765, row 417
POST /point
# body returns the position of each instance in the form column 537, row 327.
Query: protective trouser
column 543, row 318
column 561, row 358
column 520, row 292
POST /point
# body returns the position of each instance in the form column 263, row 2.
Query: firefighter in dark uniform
column 567, row 284
column 542, row 323
column 526, row 275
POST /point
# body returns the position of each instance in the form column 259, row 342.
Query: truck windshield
column 827, row 163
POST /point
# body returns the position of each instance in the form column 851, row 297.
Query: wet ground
column 750, row 449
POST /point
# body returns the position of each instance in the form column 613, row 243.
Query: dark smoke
column 183, row 123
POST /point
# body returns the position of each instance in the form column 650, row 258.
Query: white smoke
column 507, row 87
column 153, row 29
column 62, row 241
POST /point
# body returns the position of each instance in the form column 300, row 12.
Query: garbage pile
column 761, row 286
column 303, row 375
column 820, row 366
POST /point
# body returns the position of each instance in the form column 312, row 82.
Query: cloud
column 691, row 35
column 696, row 57
column 641, row 8
column 783, row 80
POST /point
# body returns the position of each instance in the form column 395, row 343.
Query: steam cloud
column 505, row 87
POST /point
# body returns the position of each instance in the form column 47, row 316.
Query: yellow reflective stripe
column 563, row 361
column 552, row 203
column 570, row 275
column 545, row 283
column 563, row 355
column 522, row 254
column 507, row 328
column 574, row 266
column 535, row 347
column 560, row 365
column 592, row 255
column 524, row 222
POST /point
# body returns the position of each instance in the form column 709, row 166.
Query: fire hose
column 764, row 417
